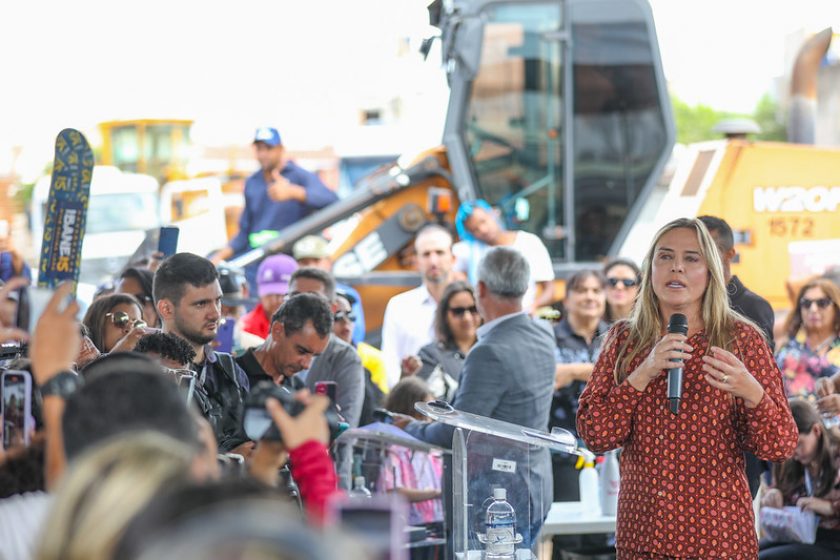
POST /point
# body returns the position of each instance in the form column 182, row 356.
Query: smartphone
column 16, row 388
column 187, row 385
column 378, row 523
column 224, row 336
column 168, row 241
column 328, row 388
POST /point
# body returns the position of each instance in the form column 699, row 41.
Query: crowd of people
column 142, row 431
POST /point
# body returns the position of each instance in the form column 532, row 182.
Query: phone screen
column 187, row 385
column 373, row 527
column 328, row 388
column 17, row 407
column 378, row 522
column 224, row 336
column 168, row 241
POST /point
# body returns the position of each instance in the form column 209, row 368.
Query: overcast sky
column 235, row 65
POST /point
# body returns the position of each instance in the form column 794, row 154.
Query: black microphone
column 677, row 325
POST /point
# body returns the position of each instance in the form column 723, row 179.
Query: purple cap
column 274, row 275
column 268, row 136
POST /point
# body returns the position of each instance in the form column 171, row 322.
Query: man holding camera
column 300, row 331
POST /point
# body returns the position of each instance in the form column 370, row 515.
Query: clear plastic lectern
column 389, row 461
column 488, row 455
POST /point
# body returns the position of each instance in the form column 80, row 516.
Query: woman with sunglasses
column 813, row 347
column 115, row 323
column 622, row 287
column 456, row 321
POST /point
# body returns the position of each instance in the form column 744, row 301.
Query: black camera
column 258, row 423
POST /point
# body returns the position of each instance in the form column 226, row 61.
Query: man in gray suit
column 508, row 375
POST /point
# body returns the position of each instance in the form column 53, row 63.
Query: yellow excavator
column 156, row 147
column 558, row 115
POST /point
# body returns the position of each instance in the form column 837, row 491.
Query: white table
column 570, row 518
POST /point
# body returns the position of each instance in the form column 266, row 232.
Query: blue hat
column 464, row 212
column 268, row 136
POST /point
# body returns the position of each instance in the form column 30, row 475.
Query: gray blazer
column 508, row 375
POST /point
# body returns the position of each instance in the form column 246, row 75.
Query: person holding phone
column 115, row 323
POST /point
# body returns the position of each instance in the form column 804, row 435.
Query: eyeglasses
column 121, row 320
column 628, row 282
column 344, row 316
column 459, row 311
column 822, row 302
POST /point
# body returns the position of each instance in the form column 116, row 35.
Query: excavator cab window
column 619, row 128
column 126, row 147
column 514, row 120
column 565, row 125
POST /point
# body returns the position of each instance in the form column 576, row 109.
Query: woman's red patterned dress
column 684, row 492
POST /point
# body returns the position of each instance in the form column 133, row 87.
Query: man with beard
column 188, row 298
column 409, row 319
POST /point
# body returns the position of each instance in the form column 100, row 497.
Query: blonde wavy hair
column 105, row 489
column 645, row 323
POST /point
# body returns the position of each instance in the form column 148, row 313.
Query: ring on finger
column 724, row 378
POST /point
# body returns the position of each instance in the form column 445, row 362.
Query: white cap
column 499, row 494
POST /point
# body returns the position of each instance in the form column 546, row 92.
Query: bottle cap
column 499, row 494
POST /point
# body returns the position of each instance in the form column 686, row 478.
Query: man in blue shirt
column 276, row 196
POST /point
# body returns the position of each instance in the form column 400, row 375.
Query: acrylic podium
column 489, row 454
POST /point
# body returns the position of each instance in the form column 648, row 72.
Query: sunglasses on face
column 459, row 311
column 344, row 316
column 628, row 282
column 121, row 320
column 822, row 303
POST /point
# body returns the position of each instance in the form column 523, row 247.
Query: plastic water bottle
column 610, row 482
column 589, row 488
column 501, row 528
column 360, row 489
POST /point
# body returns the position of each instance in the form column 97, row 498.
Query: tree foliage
column 695, row 123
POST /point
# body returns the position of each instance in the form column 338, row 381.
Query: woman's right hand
column 773, row 499
column 670, row 349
